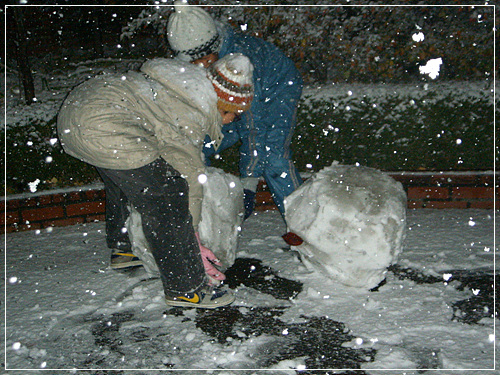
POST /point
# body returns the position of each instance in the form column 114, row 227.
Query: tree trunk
column 22, row 57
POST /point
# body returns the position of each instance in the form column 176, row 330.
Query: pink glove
column 209, row 260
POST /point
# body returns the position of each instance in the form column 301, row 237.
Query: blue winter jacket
column 271, row 119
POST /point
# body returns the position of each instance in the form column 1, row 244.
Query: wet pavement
column 471, row 310
column 317, row 339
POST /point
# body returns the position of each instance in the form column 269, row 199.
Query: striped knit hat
column 232, row 79
column 191, row 32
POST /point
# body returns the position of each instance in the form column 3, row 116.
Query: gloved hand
column 250, row 185
column 292, row 239
column 248, row 202
column 210, row 261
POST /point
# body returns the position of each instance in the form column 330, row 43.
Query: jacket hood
column 187, row 78
column 188, row 82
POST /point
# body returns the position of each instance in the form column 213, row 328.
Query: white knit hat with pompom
column 191, row 32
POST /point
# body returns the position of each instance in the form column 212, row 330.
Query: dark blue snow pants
column 159, row 193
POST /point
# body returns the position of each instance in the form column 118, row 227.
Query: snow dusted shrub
column 221, row 218
column 397, row 127
column 352, row 220
column 371, row 43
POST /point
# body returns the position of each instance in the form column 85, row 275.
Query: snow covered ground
column 65, row 310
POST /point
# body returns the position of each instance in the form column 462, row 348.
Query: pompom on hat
column 232, row 77
column 191, row 32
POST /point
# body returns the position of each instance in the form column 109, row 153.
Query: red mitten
column 209, row 260
column 292, row 239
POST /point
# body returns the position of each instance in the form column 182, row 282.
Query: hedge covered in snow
column 423, row 126
column 394, row 127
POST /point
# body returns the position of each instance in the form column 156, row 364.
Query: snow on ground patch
column 66, row 309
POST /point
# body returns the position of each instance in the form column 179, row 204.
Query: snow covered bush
column 380, row 127
column 435, row 126
column 424, row 126
column 369, row 42
column 33, row 153
column 352, row 221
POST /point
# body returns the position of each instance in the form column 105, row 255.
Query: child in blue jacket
column 266, row 129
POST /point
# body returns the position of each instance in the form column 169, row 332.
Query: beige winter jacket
column 125, row 121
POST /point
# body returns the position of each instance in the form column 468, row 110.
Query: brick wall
column 432, row 190
column 450, row 190
column 425, row 190
column 53, row 210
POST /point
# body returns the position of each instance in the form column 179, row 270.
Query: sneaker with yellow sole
column 124, row 259
column 207, row 298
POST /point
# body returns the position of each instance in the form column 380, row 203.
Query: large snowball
column 140, row 246
column 352, row 220
column 221, row 214
column 221, row 219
